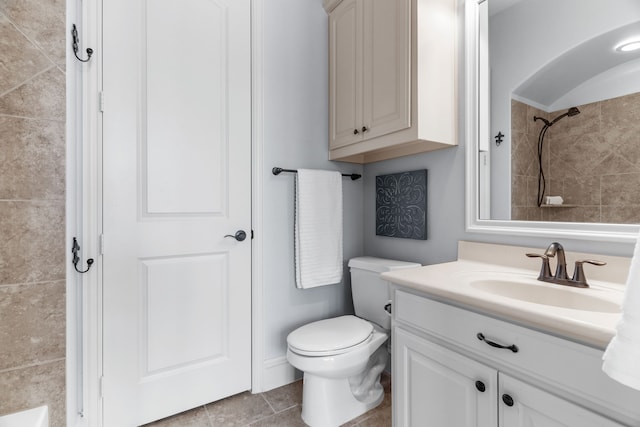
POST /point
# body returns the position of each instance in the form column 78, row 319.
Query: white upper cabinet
column 392, row 78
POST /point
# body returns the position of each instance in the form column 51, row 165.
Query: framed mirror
column 553, row 118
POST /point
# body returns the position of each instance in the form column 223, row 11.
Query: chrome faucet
column 560, row 277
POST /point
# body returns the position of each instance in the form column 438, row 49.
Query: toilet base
column 331, row 402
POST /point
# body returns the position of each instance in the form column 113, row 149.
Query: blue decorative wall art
column 401, row 205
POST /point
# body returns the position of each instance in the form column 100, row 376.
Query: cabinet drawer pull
column 511, row 347
column 480, row 386
column 508, row 400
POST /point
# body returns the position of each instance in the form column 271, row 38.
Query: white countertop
column 454, row 283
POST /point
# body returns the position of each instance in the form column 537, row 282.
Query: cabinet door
column 345, row 73
column 522, row 405
column 434, row 386
column 387, row 67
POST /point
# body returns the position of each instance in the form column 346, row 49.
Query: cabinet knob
column 355, row 131
column 364, row 129
column 508, row 400
column 480, row 386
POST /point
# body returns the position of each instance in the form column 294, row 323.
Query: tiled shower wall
column 32, row 202
column 592, row 160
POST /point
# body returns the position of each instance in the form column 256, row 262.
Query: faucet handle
column 579, row 278
column 545, row 271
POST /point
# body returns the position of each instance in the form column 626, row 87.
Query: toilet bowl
column 342, row 383
column 342, row 357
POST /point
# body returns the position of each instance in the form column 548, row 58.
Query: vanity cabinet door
column 434, row 386
column 523, row 405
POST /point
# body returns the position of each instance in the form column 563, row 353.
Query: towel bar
column 278, row 171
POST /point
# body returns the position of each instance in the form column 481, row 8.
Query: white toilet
column 342, row 358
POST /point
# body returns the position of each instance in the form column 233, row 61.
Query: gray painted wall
column 295, row 136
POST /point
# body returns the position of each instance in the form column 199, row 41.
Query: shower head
column 573, row 111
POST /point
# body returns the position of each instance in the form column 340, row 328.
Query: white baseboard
column 278, row 372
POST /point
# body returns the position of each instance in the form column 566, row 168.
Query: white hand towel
column 622, row 357
column 318, row 228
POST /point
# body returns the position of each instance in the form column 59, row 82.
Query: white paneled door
column 177, row 179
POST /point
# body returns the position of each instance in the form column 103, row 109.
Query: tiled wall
column 32, row 192
column 592, row 160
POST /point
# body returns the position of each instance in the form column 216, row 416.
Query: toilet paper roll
column 554, row 200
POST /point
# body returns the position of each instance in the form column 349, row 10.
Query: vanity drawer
column 562, row 365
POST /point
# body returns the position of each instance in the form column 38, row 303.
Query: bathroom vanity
column 472, row 348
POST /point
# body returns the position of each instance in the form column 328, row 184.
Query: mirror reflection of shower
column 540, row 64
column 573, row 111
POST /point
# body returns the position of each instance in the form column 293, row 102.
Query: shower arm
column 546, row 122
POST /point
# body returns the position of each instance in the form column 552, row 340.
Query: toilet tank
column 371, row 293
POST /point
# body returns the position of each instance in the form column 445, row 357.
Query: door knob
column 239, row 236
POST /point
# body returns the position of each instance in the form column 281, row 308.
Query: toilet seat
column 330, row 336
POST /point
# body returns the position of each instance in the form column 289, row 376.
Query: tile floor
column 275, row 408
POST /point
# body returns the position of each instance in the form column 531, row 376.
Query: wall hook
column 76, row 39
column 74, row 250
column 498, row 138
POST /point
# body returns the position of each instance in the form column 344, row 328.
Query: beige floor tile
column 285, row 397
column 257, row 410
column 380, row 419
column 289, row 418
column 239, row 410
column 193, row 418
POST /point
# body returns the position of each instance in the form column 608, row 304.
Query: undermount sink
column 575, row 299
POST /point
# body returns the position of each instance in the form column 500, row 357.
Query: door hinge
column 101, row 101
column 251, row 234
column 101, row 387
column 101, row 244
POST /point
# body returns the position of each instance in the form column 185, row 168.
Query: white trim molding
column 257, row 137
column 278, row 372
column 83, row 218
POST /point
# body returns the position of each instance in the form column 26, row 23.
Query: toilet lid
column 330, row 335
